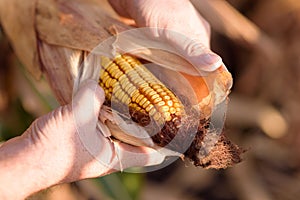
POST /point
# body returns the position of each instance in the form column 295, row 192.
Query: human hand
column 174, row 15
column 72, row 131
column 65, row 146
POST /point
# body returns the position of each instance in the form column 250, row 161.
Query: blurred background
column 260, row 45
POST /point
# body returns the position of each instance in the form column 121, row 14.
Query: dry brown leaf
column 20, row 30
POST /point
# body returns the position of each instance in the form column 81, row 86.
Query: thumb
column 86, row 104
column 195, row 51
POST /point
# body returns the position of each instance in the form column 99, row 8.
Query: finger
column 86, row 104
column 195, row 51
column 130, row 156
column 86, row 107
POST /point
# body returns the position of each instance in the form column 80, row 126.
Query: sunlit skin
column 51, row 152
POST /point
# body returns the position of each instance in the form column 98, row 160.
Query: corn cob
column 134, row 85
column 127, row 82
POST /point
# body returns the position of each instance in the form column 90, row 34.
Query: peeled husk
column 54, row 37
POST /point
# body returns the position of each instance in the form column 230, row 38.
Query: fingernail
column 209, row 62
column 211, row 58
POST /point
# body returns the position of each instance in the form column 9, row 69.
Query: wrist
column 29, row 163
column 22, row 169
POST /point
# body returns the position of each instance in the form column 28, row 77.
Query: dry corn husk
column 55, row 36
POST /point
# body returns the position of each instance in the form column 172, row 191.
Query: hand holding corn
column 51, row 152
column 179, row 16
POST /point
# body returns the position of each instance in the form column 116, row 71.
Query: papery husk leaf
column 76, row 24
column 17, row 18
column 61, row 66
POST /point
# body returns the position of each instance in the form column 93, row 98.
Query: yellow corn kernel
column 139, row 98
column 157, row 100
column 172, row 110
column 146, row 104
